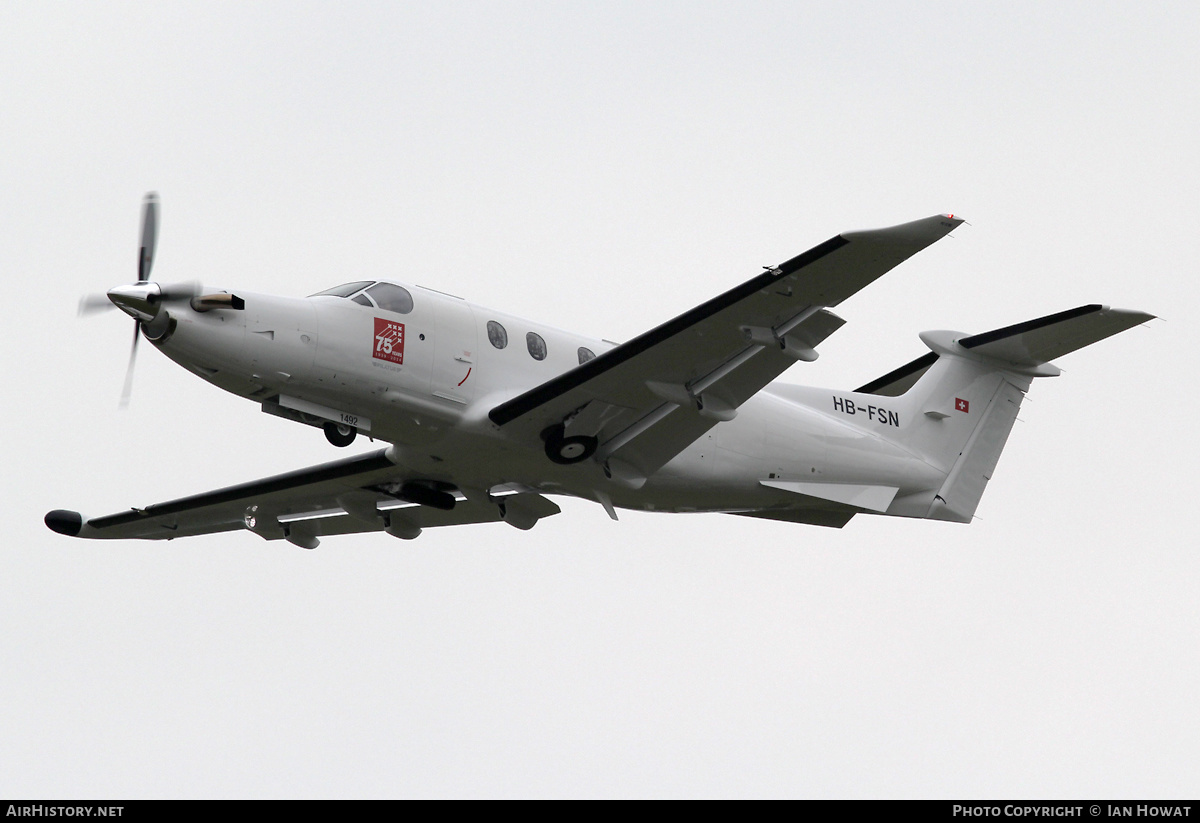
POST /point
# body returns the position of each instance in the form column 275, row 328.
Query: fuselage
column 421, row 369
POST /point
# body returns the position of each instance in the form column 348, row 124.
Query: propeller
column 141, row 299
column 94, row 304
column 149, row 236
column 149, row 241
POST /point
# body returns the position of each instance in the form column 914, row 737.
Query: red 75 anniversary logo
column 389, row 340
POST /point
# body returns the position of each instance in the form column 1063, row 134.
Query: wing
column 368, row 492
column 645, row 401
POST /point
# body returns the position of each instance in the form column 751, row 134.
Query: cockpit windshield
column 344, row 290
column 383, row 295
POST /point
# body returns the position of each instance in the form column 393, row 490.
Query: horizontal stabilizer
column 1042, row 340
column 871, row 498
column 1026, row 345
column 829, row 518
column 897, row 382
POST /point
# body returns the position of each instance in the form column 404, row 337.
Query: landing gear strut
column 339, row 434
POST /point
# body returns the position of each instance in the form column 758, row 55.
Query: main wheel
column 568, row 450
column 340, row 435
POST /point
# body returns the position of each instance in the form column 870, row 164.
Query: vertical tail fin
column 959, row 401
column 963, row 411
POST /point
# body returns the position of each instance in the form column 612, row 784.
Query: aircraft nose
column 139, row 301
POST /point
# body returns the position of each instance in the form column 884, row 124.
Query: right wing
column 648, row 399
column 364, row 493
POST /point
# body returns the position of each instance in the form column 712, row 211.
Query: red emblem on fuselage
column 389, row 341
column 962, row 405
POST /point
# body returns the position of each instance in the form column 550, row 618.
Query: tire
column 339, row 435
column 568, row 450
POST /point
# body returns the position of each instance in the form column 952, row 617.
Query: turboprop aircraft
column 488, row 415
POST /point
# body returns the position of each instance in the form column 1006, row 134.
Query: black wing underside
column 364, row 493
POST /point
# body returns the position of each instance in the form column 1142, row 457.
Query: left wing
column 368, row 492
column 640, row 404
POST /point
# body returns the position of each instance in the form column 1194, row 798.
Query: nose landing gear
column 339, row 434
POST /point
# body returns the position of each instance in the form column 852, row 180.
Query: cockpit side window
column 391, row 297
column 344, row 290
column 361, row 299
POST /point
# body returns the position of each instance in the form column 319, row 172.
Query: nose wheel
column 340, row 435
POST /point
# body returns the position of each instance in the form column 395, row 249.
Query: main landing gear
column 340, row 435
column 567, row 450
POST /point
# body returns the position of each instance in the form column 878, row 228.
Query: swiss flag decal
column 962, row 405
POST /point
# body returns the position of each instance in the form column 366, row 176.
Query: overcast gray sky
column 602, row 167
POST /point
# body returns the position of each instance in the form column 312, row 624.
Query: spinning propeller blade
column 146, row 248
column 149, row 236
column 94, row 304
column 125, row 392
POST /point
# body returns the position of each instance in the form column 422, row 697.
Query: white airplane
column 488, row 415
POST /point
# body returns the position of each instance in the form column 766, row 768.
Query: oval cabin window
column 497, row 336
column 585, row 354
column 536, row 346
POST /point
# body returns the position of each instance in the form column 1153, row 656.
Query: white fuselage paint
column 322, row 350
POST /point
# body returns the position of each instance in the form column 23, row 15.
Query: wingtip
column 65, row 522
column 916, row 234
column 1134, row 316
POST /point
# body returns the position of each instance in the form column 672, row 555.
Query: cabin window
column 585, row 354
column 497, row 336
column 390, row 297
column 536, row 346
